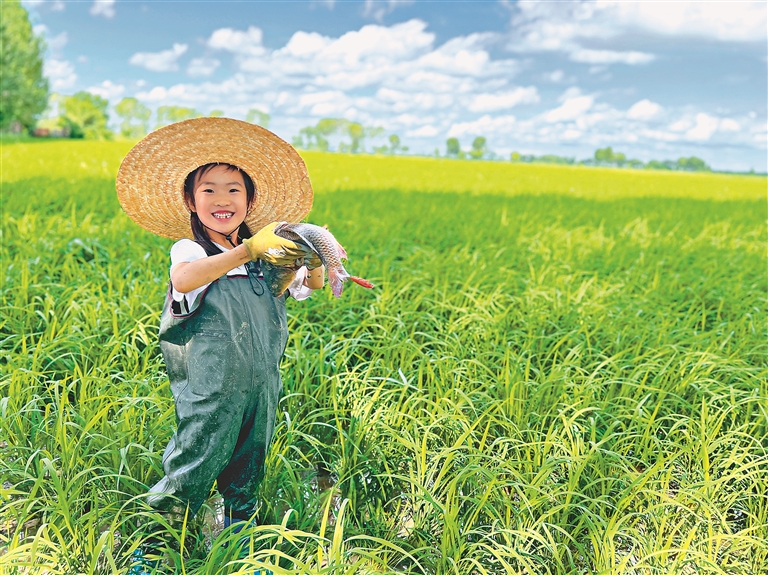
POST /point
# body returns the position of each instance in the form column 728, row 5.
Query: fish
column 319, row 240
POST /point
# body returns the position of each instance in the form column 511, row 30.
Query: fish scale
column 320, row 241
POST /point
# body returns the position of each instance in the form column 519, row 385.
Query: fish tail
column 361, row 282
column 336, row 278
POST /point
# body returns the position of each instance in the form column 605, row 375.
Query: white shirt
column 189, row 251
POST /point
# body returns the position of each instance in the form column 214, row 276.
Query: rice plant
column 544, row 381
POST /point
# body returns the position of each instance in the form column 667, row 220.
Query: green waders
column 223, row 362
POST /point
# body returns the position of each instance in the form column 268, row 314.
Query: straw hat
column 150, row 182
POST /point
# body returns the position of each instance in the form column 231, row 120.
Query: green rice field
column 561, row 370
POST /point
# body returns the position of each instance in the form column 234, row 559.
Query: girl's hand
column 315, row 278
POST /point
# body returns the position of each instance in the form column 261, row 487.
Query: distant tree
column 135, row 117
column 172, row 114
column 478, row 148
column 258, row 117
column 216, row 114
column 394, row 143
column 553, row 159
column 604, row 155
column 23, row 87
column 607, row 157
column 317, row 137
column 692, row 164
column 323, row 130
column 85, row 115
column 657, row 165
column 452, row 148
column 356, row 133
column 515, row 157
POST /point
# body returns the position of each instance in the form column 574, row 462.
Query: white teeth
column 222, row 216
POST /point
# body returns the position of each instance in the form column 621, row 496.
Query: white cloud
column 706, row 125
column 374, row 43
column 331, row 102
column 660, row 135
column 463, row 55
column 563, row 26
column 408, row 120
column 427, row 131
column 60, row 74
column 485, row 125
column 378, row 9
column 725, row 21
column 56, row 43
column 556, row 76
column 248, row 43
column 165, row 61
column 104, row 8
column 643, row 110
column 398, row 101
column 107, row 90
column 610, row 57
column 402, row 55
column 158, row 94
column 504, row 100
column 202, row 66
column 681, row 125
column 572, row 134
column 304, row 44
column 570, row 109
column 702, row 127
column 729, row 125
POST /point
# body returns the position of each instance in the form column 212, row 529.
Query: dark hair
column 198, row 229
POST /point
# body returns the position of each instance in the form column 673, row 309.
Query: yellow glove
column 267, row 246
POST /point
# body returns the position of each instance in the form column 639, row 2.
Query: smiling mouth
column 223, row 215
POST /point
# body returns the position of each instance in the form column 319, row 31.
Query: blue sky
column 652, row 79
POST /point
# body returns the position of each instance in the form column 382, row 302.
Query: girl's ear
column 190, row 205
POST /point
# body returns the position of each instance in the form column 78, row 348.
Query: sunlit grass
column 540, row 383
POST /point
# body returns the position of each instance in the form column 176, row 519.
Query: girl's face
column 221, row 200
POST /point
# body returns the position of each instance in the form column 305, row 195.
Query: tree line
column 320, row 136
column 606, row 157
column 85, row 115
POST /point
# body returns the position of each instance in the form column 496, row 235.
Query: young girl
column 223, row 183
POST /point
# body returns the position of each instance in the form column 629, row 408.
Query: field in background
column 561, row 370
column 74, row 160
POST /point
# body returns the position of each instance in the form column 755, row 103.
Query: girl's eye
column 234, row 190
column 207, row 191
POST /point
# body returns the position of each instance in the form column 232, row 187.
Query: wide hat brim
column 150, row 182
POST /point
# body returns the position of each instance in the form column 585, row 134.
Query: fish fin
column 361, row 282
column 342, row 253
